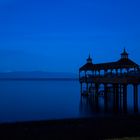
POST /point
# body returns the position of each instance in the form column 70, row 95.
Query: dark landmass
column 85, row 128
column 37, row 75
column 39, row 79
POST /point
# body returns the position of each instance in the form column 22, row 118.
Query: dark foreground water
column 53, row 99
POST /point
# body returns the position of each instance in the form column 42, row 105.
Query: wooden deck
column 124, row 79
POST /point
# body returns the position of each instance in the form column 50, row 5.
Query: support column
column 120, row 97
column 120, row 71
column 111, row 71
column 127, row 70
column 125, row 98
column 105, row 72
column 87, row 88
column 96, row 72
column 92, row 73
column 116, row 71
column 105, row 91
column 99, row 72
column 116, row 97
column 135, row 86
column 96, row 89
column 85, row 74
column 96, row 96
column 105, row 98
column 90, row 88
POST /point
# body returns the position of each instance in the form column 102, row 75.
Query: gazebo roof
column 122, row 63
column 87, row 66
column 128, row 62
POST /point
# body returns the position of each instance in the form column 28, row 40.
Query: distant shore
column 39, row 79
column 84, row 128
column 37, row 75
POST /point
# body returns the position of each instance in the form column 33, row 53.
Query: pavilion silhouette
column 114, row 76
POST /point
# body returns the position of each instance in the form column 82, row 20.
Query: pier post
column 96, row 88
column 96, row 96
column 105, row 90
column 120, row 96
column 87, row 88
column 116, row 71
column 116, row 95
column 105, row 98
column 135, row 86
column 105, row 72
column 120, row 71
column 96, row 92
column 113, row 97
column 125, row 98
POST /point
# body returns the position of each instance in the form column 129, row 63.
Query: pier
column 113, row 77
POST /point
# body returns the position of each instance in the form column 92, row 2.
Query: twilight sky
column 58, row 35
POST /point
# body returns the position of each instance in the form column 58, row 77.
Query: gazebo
column 122, row 66
column 115, row 75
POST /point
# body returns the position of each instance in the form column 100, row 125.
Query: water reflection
column 110, row 103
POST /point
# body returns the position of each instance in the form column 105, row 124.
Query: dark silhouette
column 115, row 77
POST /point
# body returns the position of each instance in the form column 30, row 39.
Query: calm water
column 44, row 100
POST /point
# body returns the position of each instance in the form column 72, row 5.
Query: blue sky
column 58, row 35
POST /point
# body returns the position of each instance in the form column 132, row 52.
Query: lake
column 26, row 100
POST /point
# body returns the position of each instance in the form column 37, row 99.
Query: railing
column 133, row 73
column 115, row 78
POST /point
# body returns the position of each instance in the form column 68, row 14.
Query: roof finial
column 124, row 50
column 124, row 54
column 89, row 55
column 89, row 60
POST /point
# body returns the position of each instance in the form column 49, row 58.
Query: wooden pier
column 113, row 75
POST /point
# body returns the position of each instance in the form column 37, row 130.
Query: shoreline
column 83, row 128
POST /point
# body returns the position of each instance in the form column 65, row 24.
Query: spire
column 124, row 55
column 124, row 51
column 89, row 56
column 89, row 60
